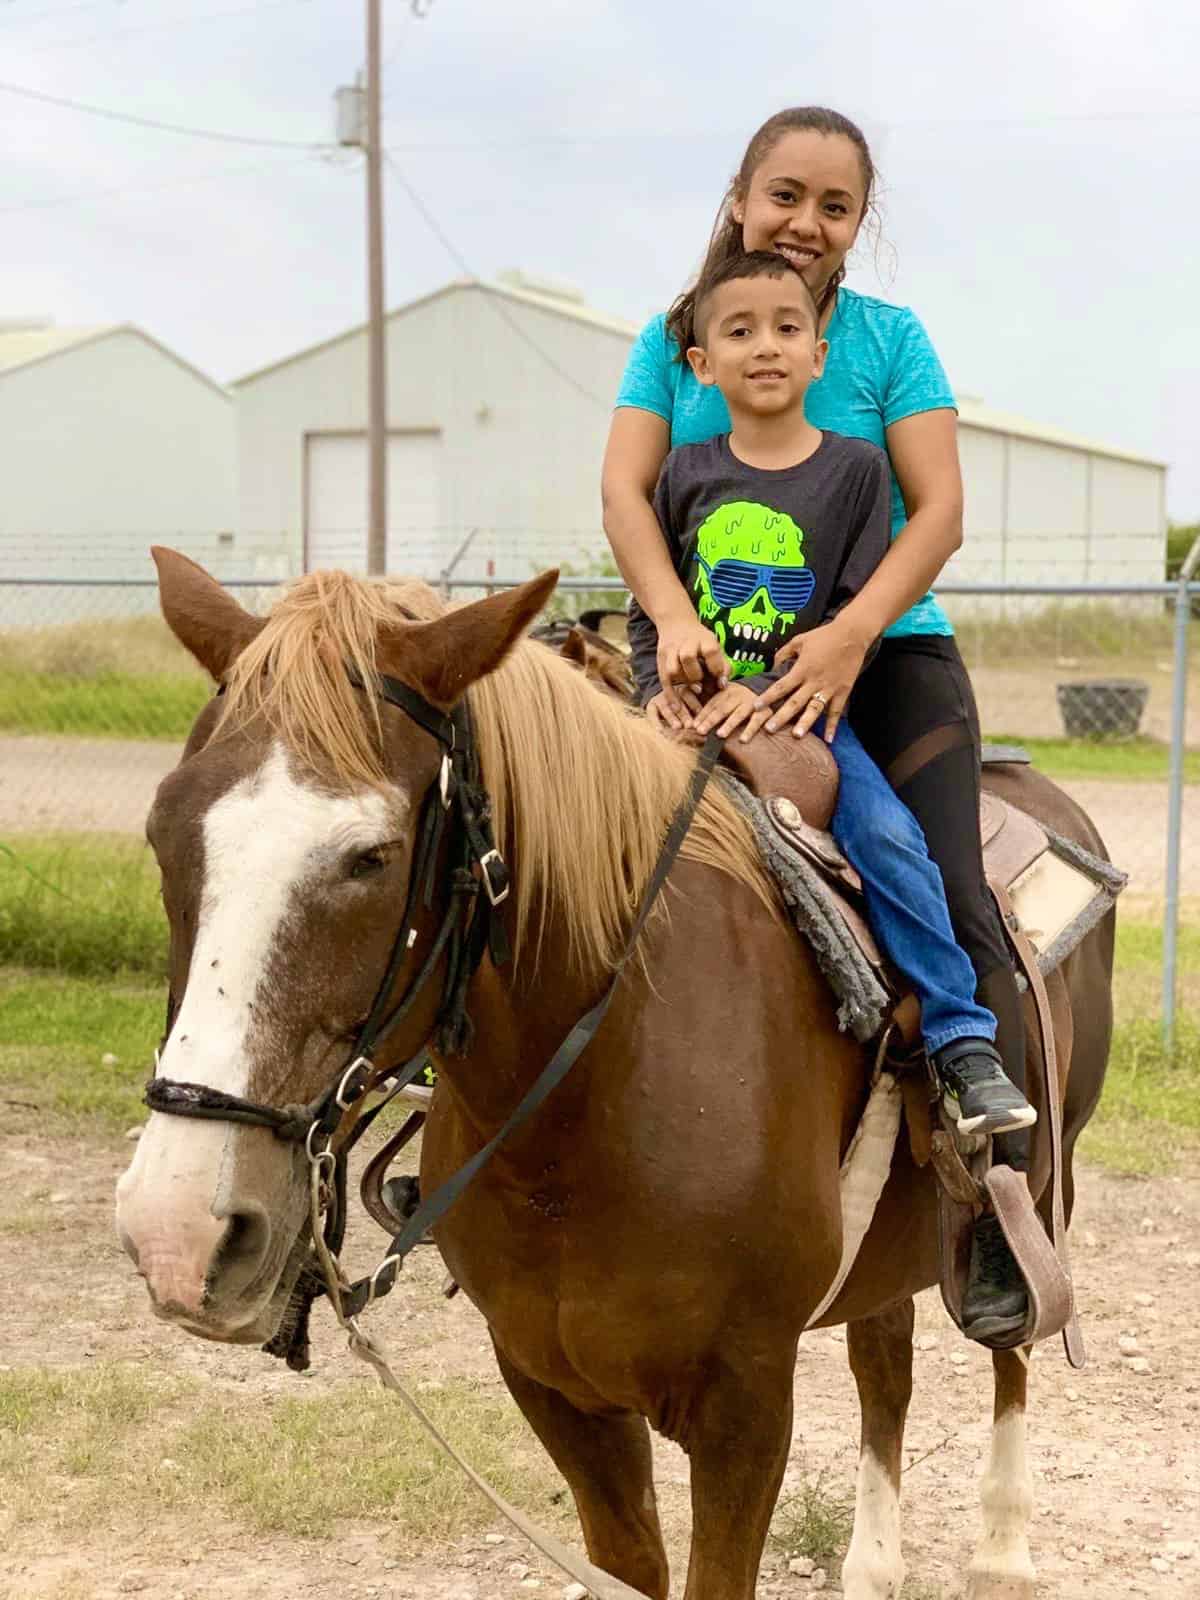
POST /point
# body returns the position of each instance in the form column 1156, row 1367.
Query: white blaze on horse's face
column 266, row 841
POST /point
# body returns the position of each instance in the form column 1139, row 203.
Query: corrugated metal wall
column 521, row 450
column 103, row 449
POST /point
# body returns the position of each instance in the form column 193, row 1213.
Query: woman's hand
column 827, row 664
column 687, row 650
column 733, row 708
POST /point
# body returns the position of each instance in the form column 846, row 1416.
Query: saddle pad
column 864, row 1001
column 1059, row 892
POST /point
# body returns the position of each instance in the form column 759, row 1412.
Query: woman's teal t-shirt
column 881, row 367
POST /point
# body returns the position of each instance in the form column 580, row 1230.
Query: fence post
column 1183, row 614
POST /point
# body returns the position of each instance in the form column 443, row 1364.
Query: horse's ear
column 205, row 618
column 574, row 648
column 445, row 657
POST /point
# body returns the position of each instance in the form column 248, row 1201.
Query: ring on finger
column 819, row 699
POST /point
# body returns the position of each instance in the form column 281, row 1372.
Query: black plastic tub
column 1103, row 708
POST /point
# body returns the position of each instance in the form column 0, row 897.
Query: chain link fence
column 1101, row 683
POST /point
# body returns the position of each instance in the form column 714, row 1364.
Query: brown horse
column 651, row 1245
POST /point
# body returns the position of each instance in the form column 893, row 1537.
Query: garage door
column 336, row 533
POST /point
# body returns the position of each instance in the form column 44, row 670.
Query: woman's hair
column 726, row 240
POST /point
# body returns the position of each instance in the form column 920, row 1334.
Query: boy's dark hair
column 750, row 264
column 726, row 240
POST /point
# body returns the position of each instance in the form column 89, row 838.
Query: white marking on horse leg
column 874, row 1568
column 1003, row 1568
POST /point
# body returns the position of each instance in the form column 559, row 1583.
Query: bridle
column 455, row 814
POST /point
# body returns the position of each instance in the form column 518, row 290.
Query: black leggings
column 914, row 710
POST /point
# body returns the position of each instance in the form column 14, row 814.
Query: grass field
column 83, row 953
column 81, row 904
column 1131, row 760
column 129, row 679
column 88, row 1443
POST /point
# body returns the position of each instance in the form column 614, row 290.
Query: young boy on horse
column 773, row 528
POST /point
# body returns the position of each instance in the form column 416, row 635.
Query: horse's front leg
column 737, row 1434
column 880, row 1350
column 606, row 1462
column 1002, row 1568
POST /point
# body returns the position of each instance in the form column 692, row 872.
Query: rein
column 329, row 1126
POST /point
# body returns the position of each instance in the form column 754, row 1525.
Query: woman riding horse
column 804, row 188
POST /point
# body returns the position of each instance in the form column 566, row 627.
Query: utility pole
column 376, row 349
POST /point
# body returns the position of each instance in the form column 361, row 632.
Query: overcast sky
column 1041, row 166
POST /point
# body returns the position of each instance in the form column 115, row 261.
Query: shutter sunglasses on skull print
column 732, row 582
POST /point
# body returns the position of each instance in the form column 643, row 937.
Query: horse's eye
column 370, row 861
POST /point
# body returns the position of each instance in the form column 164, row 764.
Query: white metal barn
column 499, row 398
column 109, row 443
column 1044, row 506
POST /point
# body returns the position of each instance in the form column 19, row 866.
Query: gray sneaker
column 979, row 1095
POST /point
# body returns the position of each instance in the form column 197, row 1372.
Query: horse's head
column 285, row 838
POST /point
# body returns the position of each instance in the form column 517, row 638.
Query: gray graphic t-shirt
column 766, row 555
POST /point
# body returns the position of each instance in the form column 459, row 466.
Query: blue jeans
column 906, row 900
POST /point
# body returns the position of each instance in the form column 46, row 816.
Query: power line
column 497, row 305
column 161, row 127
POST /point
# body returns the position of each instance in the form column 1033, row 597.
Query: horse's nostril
column 243, row 1245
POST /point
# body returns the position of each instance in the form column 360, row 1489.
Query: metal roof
column 23, row 346
column 558, row 305
column 972, row 413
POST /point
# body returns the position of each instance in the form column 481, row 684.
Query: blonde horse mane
column 583, row 789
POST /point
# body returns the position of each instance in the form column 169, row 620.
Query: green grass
column 85, row 904
column 1073, row 630
column 115, row 1442
column 54, row 1034
column 273, row 1469
column 127, row 679
column 83, row 937
column 111, row 705
column 813, row 1521
column 1148, row 1120
column 1139, row 760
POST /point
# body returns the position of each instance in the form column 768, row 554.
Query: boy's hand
column 659, row 710
column 687, row 650
column 733, row 708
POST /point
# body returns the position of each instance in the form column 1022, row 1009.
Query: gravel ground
column 1113, row 1448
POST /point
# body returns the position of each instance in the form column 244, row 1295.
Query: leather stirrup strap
column 1072, row 1336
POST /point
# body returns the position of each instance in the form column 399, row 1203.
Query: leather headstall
column 455, row 833
column 329, row 1126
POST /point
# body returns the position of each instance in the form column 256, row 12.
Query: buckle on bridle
column 496, row 896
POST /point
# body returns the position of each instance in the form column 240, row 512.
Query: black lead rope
column 362, row 1293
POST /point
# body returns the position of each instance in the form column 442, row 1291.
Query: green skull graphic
column 748, row 558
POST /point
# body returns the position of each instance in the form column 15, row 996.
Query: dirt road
column 1114, row 1450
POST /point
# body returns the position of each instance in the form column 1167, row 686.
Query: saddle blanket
column 1059, row 892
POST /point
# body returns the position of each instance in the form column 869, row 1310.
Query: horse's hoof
column 991, row 1584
